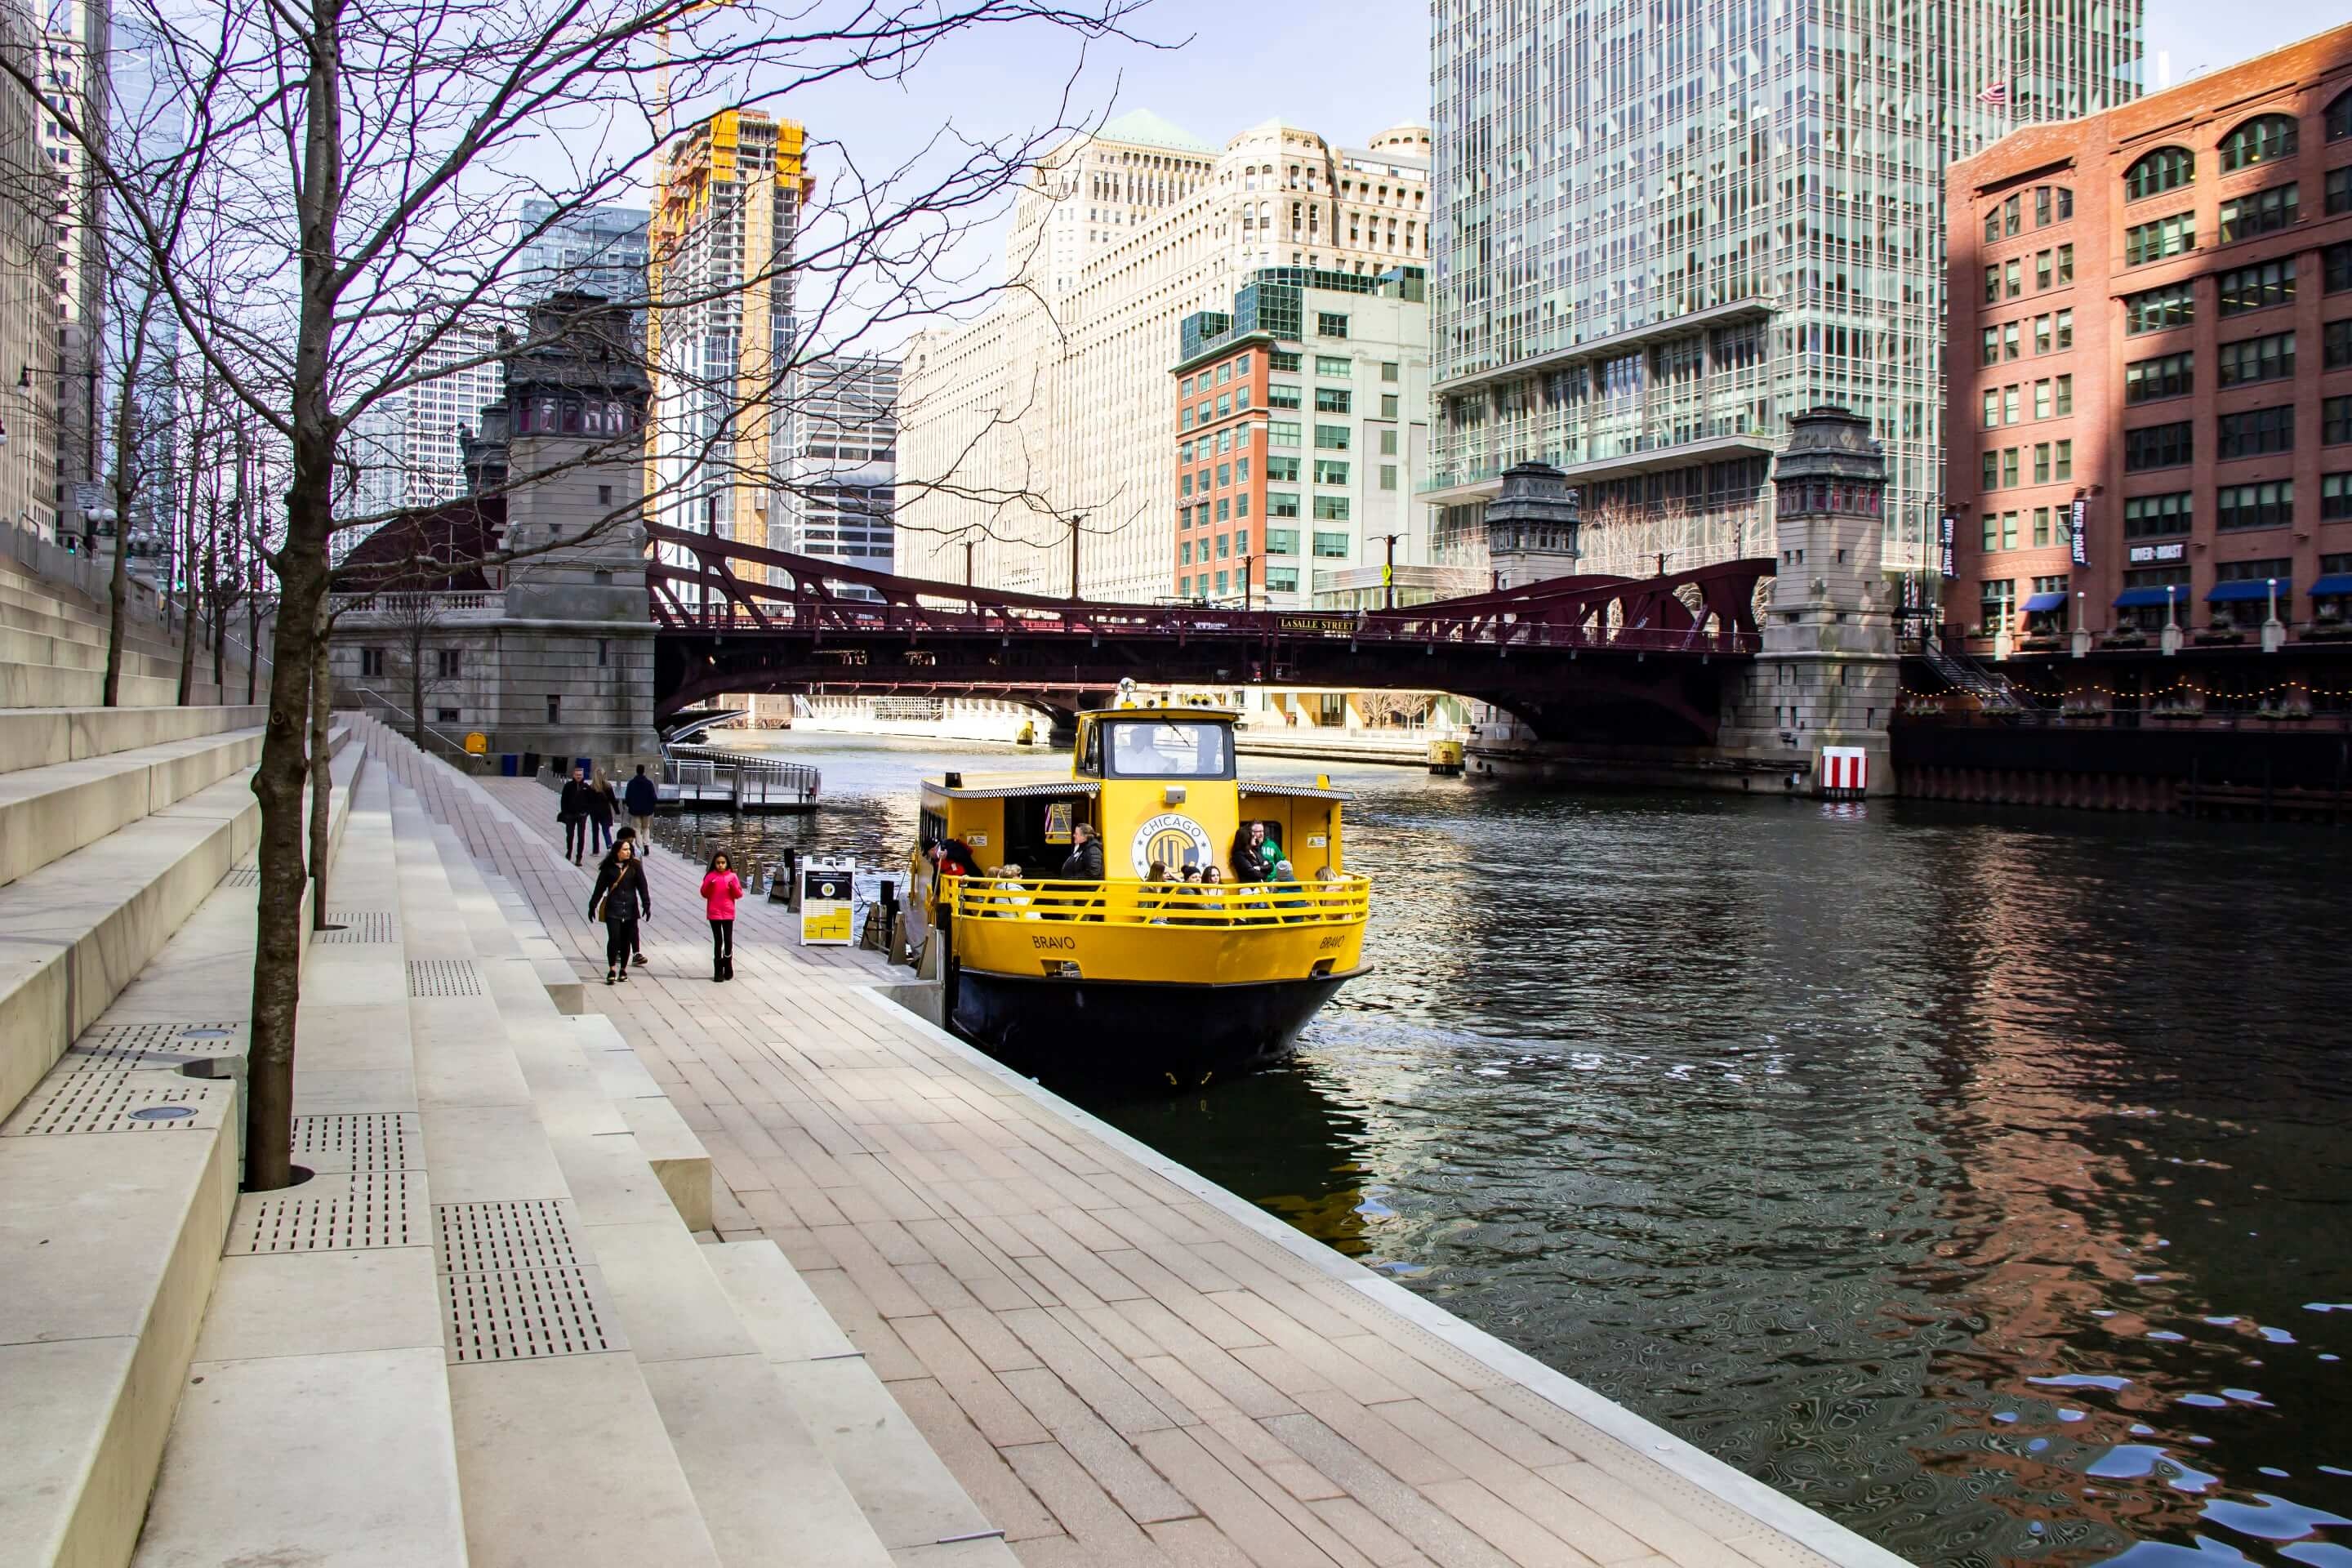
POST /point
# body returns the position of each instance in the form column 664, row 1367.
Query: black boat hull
column 1135, row 1031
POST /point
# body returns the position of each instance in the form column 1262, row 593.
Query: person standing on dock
column 620, row 897
column 571, row 810
column 641, row 797
column 720, row 888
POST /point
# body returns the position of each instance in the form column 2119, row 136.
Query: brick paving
column 1118, row 1371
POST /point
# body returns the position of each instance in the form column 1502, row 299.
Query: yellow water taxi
column 1141, row 972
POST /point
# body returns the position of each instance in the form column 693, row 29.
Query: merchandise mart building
column 1659, row 230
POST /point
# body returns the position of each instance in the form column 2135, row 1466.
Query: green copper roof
column 1141, row 125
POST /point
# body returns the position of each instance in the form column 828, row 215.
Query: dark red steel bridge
column 1585, row 658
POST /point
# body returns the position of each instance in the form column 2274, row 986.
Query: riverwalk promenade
column 1117, row 1361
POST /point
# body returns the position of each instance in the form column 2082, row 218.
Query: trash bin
column 509, row 765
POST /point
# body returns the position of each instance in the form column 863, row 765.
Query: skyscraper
column 589, row 250
column 74, row 84
column 1659, row 230
column 404, row 450
column 720, row 336
column 840, row 457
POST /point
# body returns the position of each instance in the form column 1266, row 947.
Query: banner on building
column 1947, row 536
column 2078, row 523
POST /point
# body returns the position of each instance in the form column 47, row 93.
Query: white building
column 1056, row 406
column 403, row 451
column 840, row 459
column 76, row 94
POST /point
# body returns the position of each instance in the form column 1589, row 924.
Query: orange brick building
column 2151, row 337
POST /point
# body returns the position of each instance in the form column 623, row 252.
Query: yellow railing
column 1345, row 901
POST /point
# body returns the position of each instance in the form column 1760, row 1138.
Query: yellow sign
column 476, row 744
column 1057, row 823
column 1388, row 575
column 829, row 924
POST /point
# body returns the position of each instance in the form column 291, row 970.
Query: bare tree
column 337, row 216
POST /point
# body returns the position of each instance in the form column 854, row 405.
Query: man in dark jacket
column 1085, row 861
column 1251, row 862
column 641, row 797
column 571, row 810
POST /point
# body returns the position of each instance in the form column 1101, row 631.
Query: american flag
column 1997, row 93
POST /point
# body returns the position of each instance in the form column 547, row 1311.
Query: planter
column 2329, row 631
column 2124, row 639
column 2220, row 638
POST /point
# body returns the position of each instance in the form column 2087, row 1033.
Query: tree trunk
column 323, row 697
column 252, row 643
column 188, row 636
column 220, row 651
column 417, row 691
column 118, row 594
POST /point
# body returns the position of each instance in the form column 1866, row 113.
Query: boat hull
column 1137, row 1031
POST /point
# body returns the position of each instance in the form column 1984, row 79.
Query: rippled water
column 1978, row 1178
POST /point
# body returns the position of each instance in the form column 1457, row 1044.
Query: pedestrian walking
column 641, row 797
column 720, row 888
column 602, row 809
column 619, row 899
column 627, row 836
column 571, row 810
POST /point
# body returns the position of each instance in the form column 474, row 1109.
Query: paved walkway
column 1121, row 1365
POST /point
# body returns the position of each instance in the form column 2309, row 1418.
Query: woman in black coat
column 620, row 897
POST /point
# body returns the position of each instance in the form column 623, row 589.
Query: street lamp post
column 1078, row 521
column 1388, row 572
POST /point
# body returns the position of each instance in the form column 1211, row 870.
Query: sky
column 1344, row 68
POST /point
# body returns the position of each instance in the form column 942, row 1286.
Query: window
column 555, row 707
column 1993, row 226
column 2336, row 344
column 2267, row 505
column 2012, row 216
column 1330, row 471
column 1389, row 407
column 371, row 662
column 2339, row 190
column 1184, row 552
column 1332, row 399
column 1224, row 405
column 2043, row 269
column 2263, row 212
column 2259, row 141
column 2157, row 517
column 1282, row 359
column 2171, row 375
column 1184, row 387
column 2159, row 447
column 2041, row 206
column 1334, row 364
column 2065, row 203
column 445, row 663
column 2066, row 396
column 1328, row 325
column 2012, row 336
column 1241, row 471
column 1282, row 541
column 2012, row 277
column 2159, row 310
column 2258, row 287
column 1331, row 546
column 2166, row 169
column 2250, row 359
column 1993, row 283
column 2065, row 460
column 444, row 715
column 2335, row 498
column 2008, row 530
column 2257, row 432
column 1165, row 748
column 1241, row 398
column 1224, row 373
column 2335, row 421
column 1991, row 407
column 1185, row 420
column 1282, row 579
column 1992, row 470
column 1282, row 395
column 1285, row 470
column 1281, row 503
column 1282, row 433
column 2041, row 334
column 1331, row 437
column 2065, row 320
column 1994, row 602
column 1388, row 476
column 1331, row 509
column 1225, row 582
column 2042, row 462
column 1241, row 536
column 2147, row 242
column 1185, row 483
column 603, row 495
column 2065, row 264
column 2040, row 526
column 2339, row 117
column 2008, row 405
column 1991, row 540
column 1993, row 346
column 1242, row 365
column 1390, row 369
column 2042, row 399
column 2010, row 468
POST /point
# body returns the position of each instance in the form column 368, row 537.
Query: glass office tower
column 1661, row 227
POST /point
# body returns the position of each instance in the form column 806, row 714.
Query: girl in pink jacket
column 720, row 888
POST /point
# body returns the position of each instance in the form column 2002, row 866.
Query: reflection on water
column 1979, row 1180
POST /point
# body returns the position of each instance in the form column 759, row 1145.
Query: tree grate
column 359, row 926
column 242, row 877
column 126, row 1046
column 116, row 1099
column 442, row 977
column 331, row 1214
column 517, row 1233
column 357, row 1140
column 523, row 1315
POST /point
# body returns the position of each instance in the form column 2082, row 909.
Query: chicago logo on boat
column 1171, row 838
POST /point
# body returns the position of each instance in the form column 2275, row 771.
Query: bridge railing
column 1345, row 901
column 723, row 618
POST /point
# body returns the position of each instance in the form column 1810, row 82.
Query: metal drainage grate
column 331, row 1214
column 442, row 977
column 356, row 1141
column 125, row 1046
column 360, row 926
column 242, row 877
column 102, row 1101
column 514, row 1285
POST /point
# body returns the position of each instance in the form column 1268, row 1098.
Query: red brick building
column 2151, row 334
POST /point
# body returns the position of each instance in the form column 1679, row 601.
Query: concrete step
column 46, row 686
column 75, row 933
column 49, row 812
column 38, row 616
column 329, row 1358
column 82, row 652
column 37, row 737
column 917, row 1506
column 112, row 1222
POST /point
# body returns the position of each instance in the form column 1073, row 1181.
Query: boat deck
column 1121, row 1363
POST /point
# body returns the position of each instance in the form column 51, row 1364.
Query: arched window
column 2259, row 141
column 2165, row 169
column 2339, row 117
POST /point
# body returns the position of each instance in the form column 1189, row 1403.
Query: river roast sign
column 1173, row 839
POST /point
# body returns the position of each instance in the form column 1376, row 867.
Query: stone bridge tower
column 1828, row 675
column 1532, row 526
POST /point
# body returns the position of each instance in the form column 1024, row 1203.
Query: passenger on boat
column 1249, row 856
column 1291, row 901
column 1012, row 898
column 1085, row 861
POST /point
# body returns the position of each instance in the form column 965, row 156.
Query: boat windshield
column 1170, row 749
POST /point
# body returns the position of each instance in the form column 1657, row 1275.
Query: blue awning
column 2259, row 588
column 2041, row 602
column 2332, row 585
column 2147, row 598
